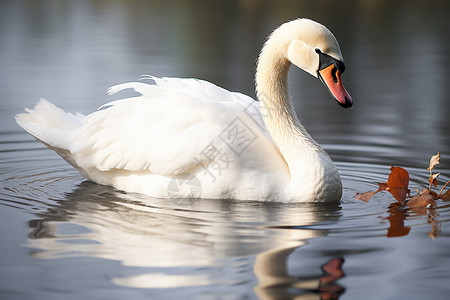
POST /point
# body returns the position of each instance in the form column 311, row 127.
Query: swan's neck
column 304, row 157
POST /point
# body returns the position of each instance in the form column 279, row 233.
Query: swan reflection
column 172, row 243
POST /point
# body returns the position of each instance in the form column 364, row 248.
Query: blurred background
column 396, row 53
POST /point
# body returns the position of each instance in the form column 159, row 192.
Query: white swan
column 190, row 138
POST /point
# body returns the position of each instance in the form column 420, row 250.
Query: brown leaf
column 399, row 194
column 432, row 193
column 434, row 161
column 397, row 183
column 368, row 195
column 383, row 186
column 399, row 177
column 433, row 179
column 422, row 200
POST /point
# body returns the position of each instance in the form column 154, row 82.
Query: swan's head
column 313, row 48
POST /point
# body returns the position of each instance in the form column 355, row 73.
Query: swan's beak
column 331, row 78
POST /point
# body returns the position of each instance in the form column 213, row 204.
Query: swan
column 188, row 138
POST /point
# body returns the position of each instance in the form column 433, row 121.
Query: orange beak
column 331, row 78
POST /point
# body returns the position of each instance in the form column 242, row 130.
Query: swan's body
column 190, row 138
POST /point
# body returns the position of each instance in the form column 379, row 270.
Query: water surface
column 63, row 237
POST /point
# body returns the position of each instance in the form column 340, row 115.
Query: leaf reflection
column 398, row 214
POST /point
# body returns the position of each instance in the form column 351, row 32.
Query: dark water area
column 63, row 237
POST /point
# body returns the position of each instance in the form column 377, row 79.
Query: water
column 63, row 237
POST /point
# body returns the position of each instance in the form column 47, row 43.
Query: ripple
column 31, row 178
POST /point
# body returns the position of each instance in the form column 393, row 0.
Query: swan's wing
column 164, row 130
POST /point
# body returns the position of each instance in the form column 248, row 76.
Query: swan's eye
column 333, row 73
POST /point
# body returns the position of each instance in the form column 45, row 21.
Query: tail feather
column 50, row 124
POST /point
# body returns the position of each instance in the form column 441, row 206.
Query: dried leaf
column 422, row 200
column 421, row 203
column 397, row 183
column 399, row 194
column 368, row 195
column 432, row 193
column 434, row 161
column 398, row 178
column 433, row 179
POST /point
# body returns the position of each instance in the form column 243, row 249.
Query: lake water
column 62, row 237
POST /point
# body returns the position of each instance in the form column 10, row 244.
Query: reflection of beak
column 331, row 77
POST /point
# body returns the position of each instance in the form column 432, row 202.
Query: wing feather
column 162, row 131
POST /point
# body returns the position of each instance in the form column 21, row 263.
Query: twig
column 443, row 188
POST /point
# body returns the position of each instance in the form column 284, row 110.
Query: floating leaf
column 423, row 200
column 368, row 195
column 423, row 203
column 365, row 196
column 434, row 161
column 397, row 183
column 399, row 177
